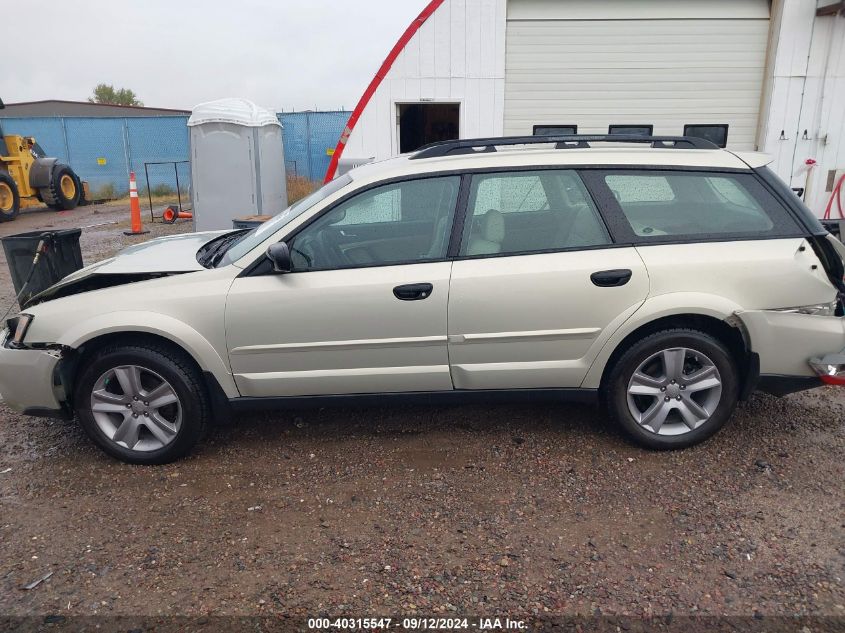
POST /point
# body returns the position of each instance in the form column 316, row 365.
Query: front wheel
column 673, row 389
column 142, row 404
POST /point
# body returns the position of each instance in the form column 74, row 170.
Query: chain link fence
column 103, row 150
column 310, row 139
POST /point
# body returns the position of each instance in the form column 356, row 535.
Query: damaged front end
column 34, row 377
column 98, row 281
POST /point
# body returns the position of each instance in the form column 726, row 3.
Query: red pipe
column 376, row 82
column 836, row 194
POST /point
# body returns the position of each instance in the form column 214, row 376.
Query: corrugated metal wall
column 102, row 150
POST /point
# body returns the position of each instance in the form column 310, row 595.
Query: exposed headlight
column 817, row 309
column 22, row 325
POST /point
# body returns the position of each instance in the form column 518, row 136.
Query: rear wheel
column 142, row 404
column 10, row 201
column 673, row 389
column 64, row 190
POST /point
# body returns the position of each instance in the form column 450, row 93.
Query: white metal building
column 756, row 74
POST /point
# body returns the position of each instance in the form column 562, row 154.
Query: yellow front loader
column 28, row 178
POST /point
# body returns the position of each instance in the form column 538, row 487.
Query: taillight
column 830, row 369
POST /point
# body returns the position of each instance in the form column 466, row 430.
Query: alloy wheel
column 674, row 391
column 136, row 408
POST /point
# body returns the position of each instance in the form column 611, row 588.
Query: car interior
column 403, row 222
column 531, row 211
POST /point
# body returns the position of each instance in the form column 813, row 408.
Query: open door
column 424, row 123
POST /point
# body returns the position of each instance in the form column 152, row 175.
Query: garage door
column 661, row 63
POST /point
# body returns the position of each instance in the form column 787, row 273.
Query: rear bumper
column 830, row 368
column 785, row 385
column 27, row 378
column 787, row 343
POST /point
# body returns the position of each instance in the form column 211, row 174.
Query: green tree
column 106, row 93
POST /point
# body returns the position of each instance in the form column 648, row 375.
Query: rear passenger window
column 686, row 204
column 635, row 189
column 530, row 211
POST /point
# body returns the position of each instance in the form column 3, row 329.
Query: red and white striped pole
column 134, row 208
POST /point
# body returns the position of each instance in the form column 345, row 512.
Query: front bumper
column 28, row 379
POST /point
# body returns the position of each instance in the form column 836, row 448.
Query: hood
column 164, row 256
column 176, row 253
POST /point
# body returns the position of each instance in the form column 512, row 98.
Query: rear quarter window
column 661, row 205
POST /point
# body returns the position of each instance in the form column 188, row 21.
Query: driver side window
column 398, row 223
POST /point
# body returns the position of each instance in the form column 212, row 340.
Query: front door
column 363, row 311
column 538, row 287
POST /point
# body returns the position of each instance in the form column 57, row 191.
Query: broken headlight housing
column 17, row 328
column 817, row 309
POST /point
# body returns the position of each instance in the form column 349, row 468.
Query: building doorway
column 424, row 123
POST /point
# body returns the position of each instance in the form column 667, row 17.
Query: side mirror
column 279, row 254
column 2, row 106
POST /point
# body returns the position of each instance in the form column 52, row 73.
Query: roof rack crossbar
column 564, row 141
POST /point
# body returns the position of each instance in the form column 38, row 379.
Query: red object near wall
column 376, row 82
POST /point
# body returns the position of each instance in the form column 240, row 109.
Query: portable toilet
column 237, row 163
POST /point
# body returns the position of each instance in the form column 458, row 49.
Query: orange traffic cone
column 171, row 214
column 134, row 208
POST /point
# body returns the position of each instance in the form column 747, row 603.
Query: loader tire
column 10, row 200
column 64, row 190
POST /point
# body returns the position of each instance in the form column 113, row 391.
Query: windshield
column 256, row 236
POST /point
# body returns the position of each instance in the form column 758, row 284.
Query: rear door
column 719, row 233
column 538, row 285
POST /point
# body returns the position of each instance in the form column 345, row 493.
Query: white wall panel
column 456, row 56
column 457, row 35
column 807, row 92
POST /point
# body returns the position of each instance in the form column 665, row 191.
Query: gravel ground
column 524, row 510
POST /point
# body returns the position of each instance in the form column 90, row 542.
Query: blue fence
column 104, row 150
column 309, row 139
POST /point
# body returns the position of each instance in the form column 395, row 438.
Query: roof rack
column 565, row 141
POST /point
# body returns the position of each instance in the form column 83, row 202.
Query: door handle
column 611, row 278
column 412, row 292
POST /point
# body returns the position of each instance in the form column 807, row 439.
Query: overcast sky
column 282, row 54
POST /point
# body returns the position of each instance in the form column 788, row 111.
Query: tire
column 671, row 409
column 64, row 190
column 10, row 200
column 133, row 429
column 82, row 199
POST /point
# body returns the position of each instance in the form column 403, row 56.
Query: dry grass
column 144, row 199
column 299, row 187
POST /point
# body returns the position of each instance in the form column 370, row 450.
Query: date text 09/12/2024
column 417, row 624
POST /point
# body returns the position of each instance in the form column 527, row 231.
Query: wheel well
column 732, row 336
column 73, row 362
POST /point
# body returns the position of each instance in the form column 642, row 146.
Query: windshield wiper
column 218, row 247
